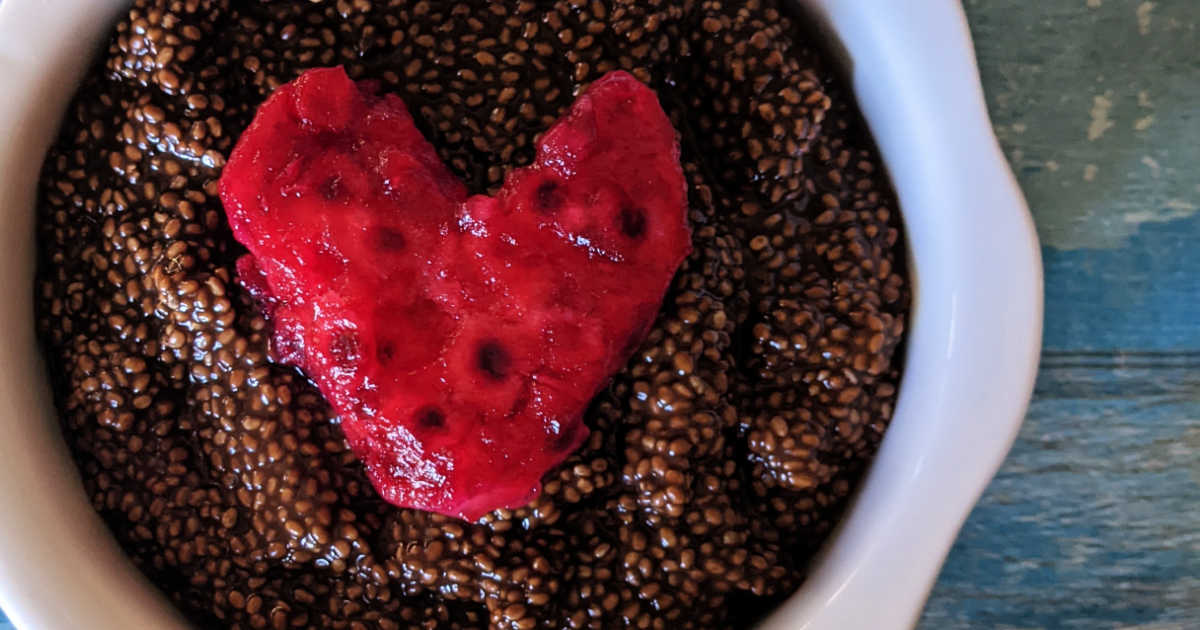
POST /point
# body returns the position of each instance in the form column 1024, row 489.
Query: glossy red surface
column 459, row 337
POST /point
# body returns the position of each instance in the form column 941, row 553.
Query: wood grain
column 1094, row 520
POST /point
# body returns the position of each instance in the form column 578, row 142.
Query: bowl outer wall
column 975, row 330
column 972, row 347
column 59, row 566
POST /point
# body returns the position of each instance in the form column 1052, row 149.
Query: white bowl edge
column 51, row 540
column 972, row 346
column 975, row 333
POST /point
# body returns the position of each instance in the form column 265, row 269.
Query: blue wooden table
column 1094, row 522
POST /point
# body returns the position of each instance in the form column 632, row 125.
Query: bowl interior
column 972, row 345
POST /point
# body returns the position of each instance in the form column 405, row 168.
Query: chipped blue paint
column 1094, row 520
column 1093, row 113
column 1143, row 295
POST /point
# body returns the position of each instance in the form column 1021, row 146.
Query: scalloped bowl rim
column 972, row 347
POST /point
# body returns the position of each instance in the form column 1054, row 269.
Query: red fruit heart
column 459, row 339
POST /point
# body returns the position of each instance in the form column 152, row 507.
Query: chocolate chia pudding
column 719, row 457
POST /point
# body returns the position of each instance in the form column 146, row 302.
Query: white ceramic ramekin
column 972, row 346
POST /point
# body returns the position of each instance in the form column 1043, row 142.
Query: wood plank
column 1145, row 294
column 1094, row 520
column 1095, row 103
column 1106, row 83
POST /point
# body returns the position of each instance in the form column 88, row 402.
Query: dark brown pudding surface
column 720, row 456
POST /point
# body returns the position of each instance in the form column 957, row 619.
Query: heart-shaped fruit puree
column 459, row 338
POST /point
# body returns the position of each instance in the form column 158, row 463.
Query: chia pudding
column 719, row 457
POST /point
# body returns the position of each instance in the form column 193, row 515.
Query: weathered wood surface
column 1094, row 521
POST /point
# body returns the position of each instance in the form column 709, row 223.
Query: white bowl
column 972, row 345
